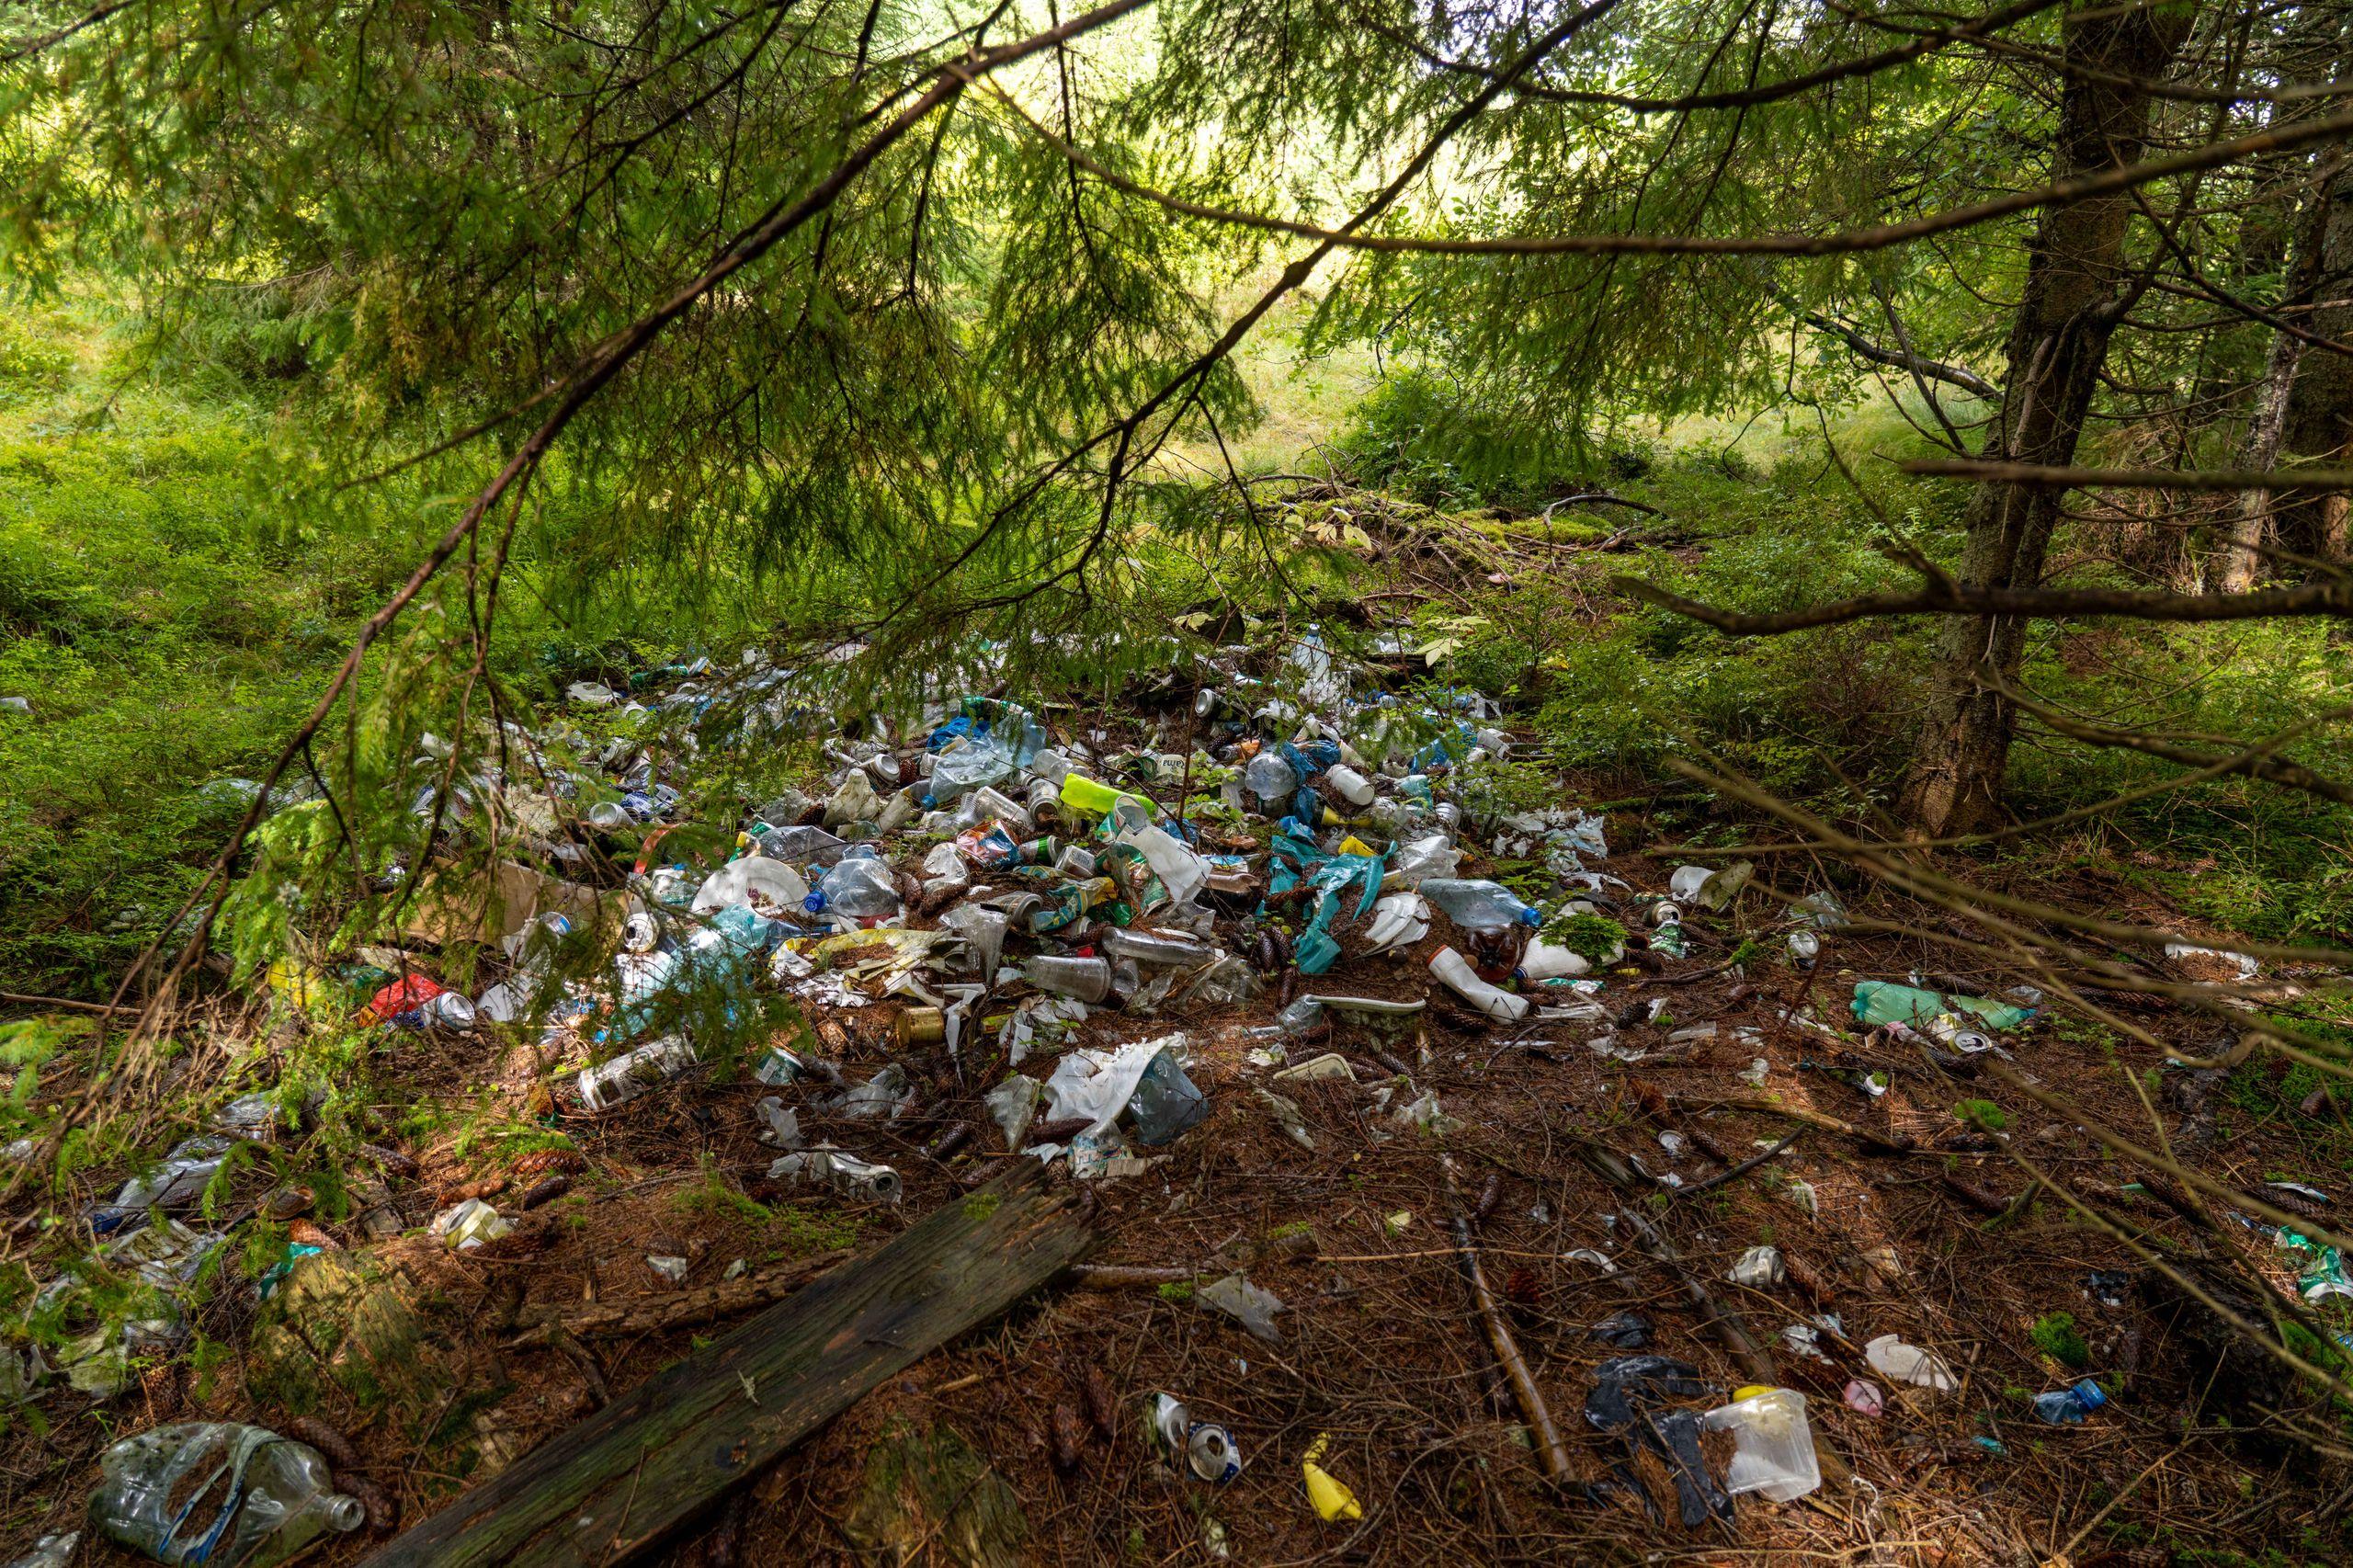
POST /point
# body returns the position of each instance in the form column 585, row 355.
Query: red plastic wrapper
column 402, row 997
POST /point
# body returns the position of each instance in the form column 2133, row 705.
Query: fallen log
column 684, row 1309
column 618, row 1482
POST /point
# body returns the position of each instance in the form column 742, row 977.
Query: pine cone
column 1522, row 1287
column 513, row 1244
column 1101, row 1408
column 1069, row 1437
column 1975, row 1196
column 542, row 1161
column 304, row 1232
column 1809, row 1281
column 2294, row 1202
column 393, row 1162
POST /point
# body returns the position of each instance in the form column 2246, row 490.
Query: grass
column 165, row 613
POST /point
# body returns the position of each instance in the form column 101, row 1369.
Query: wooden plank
column 617, row 1482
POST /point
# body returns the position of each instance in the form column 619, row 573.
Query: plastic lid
column 2090, row 1395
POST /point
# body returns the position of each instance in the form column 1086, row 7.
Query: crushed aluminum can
column 1209, row 1448
column 846, row 1174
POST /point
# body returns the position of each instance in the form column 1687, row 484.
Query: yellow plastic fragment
column 1333, row 1501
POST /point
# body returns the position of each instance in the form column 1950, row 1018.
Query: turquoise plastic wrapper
column 1884, row 1001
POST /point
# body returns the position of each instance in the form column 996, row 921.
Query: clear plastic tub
column 1774, row 1451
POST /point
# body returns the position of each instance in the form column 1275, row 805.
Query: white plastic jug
column 1455, row 969
column 1541, row 960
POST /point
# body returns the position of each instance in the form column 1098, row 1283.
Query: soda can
column 863, row 1179
column 1805, row 947
column 1210, row 1449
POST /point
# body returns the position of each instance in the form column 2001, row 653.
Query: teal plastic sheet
column 1298, row 860
column 1884, row 1001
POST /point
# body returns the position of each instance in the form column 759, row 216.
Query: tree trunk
column 2076, row 290
column 2243, row 545
column 2319, row 420
column 2302, row 405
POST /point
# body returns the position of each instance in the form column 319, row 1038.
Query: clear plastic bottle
column 1479, row 905
column 1156, row 947
column 221, row 1493
column 860, row 887
column 1269, row 778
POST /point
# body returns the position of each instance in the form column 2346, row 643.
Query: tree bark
column 2077, row 289
column 2303, row 405
column 2319, row 420
column 2243, row 543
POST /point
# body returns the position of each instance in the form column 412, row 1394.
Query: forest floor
column 1914, row 1224
column 164, row 650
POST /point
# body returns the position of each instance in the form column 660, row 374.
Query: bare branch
column 2066, row 478
column 1944, row 597
column 2068, row 192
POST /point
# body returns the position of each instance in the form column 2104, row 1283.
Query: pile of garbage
column 985, row 878
column 1011, row 910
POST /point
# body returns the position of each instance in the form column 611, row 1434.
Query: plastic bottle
column 1775, row 1446
column 1349, row 785
column 626, row 1077
column 221, row 1493
column 1455, row 969
column 860, row 887
column 1084, row 794
column 1089, row 979
column 2067, row 1407
column 1269, row 778
column 1179, row 869
column 1479, row 905
column 801, row 846
column 49, row 1550
column 1156, row 947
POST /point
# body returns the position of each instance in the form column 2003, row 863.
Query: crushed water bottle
column 1479, row 905
column 218, row 1493
column 860, row 887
